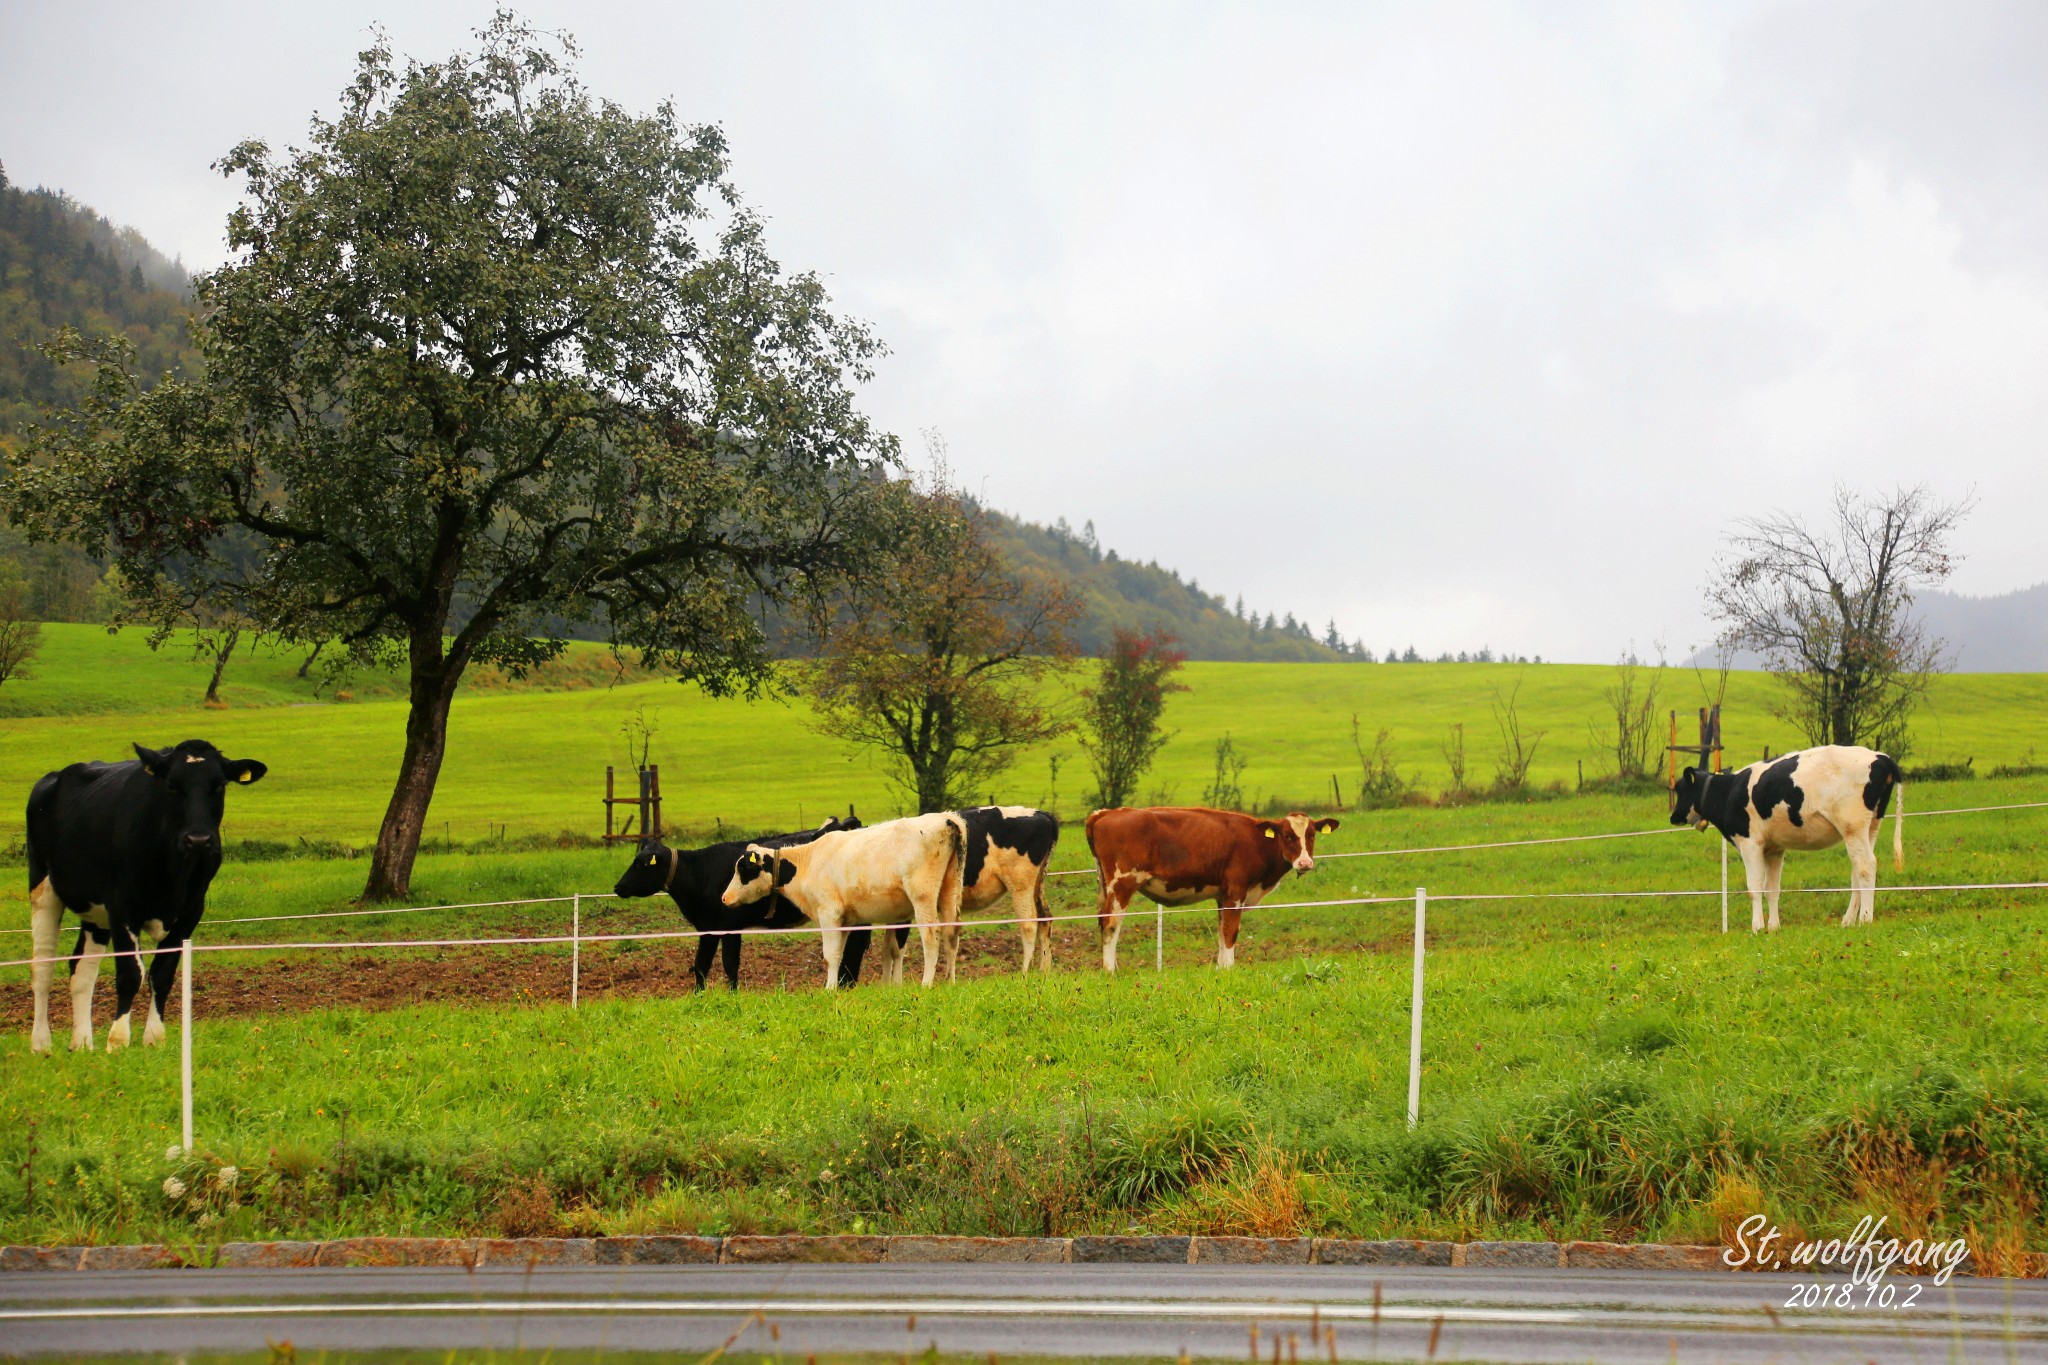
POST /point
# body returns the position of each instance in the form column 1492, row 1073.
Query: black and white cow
column 130, row 848
column 1816, row 798
column 1008, row 849
column 695, row 879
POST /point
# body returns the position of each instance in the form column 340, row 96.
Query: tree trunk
column 426, row 741
column 220, row 664
column 307, row 663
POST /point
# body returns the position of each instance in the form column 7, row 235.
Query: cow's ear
column 155, row 762
column 245, row 770
column 785, row 872
column 1325, row 825
column 1269, row 829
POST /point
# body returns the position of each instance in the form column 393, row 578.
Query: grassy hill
column 528, row 758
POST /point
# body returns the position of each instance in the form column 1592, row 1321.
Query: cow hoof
column 80, row 1042
column 153, row 1033
column 117, row 1036
column 39, row 1041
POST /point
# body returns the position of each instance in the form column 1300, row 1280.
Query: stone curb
column 500, row 1253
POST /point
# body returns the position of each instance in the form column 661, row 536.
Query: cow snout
column 1304, row 864
column 198, row 843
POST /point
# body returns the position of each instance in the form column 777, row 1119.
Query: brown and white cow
column 904, row 871
column 1179, row 855
column 1816, row 798
column 1008, row 850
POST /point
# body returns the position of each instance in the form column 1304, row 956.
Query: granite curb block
column 1512, row 1255
column 1641, row 1256
column 663, row 1250
column 143, row 1257
column 1004, row 1250
column 399, row 1251
column 266, row 1255
column 1133, row 1250
column 1338, row 1251
column 526, row 1251
column 1252, row 1250
column 748, row 1250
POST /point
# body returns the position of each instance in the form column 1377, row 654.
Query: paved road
column 1065, row 1310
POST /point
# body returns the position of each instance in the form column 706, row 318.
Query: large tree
column 937, row 662
column 1829, row 610
column 492, row 359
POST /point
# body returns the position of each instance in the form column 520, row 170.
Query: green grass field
column 1593, row 1067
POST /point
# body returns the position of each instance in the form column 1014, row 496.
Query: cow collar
column 673, row 860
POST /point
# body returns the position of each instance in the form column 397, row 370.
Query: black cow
column 1008, row 849
column 696, row 878
column 130, row 848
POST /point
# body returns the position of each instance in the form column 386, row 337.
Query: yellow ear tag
column 1271, row 835
column 246, row 776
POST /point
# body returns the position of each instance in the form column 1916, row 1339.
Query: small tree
column 937, row 662
column 1453, row 749
column 1830, row 610
column 20, row 636
column 1120, row 715
column 1226, row 786
column 1379, row 779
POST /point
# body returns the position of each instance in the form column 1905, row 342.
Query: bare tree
column 1453, row 749
column 1631, row 696
column 1517, row 744
column 1828, row 610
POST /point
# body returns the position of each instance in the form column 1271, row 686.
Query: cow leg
column 1044, row 925
column 1774, row 875
column 1862, row 880
column 729, row 957
column 163, row 974
column 895, row 945
column 46, row 917
column 707, row 949
column 127, row 982
column 1116, row 898
column 1227, row 920
column 856, row 952
column 85, row 975
column 1754, row 877
column 832, row 939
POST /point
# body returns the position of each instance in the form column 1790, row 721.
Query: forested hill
column 61, row 264
column 1123, row 593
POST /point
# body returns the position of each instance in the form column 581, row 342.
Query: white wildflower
column 174, row 1188
column 204, row 1219
column 173, row 1152
column 226, row 1176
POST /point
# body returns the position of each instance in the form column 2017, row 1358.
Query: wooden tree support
column 647, row 805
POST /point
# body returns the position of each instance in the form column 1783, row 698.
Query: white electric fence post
column 575, row 950
column 1724, row 885
column 185, row 1037
column 1159, row 943
column 1415, row 1011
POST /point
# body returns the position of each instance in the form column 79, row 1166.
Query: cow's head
column 1296, row 837
column 759, row 871
column 1685, row 798
column 652, row 871
column 194, row 779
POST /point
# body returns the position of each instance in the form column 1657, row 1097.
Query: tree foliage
column 1121, row 713
column 1828, row 609
column 937, row 662
column 493, row 359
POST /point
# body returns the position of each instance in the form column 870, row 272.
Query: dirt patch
column 389, row 980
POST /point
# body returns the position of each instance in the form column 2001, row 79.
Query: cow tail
column 1899, row 825
column 952, row 887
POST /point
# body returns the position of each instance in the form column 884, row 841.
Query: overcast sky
column 1461, row 324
